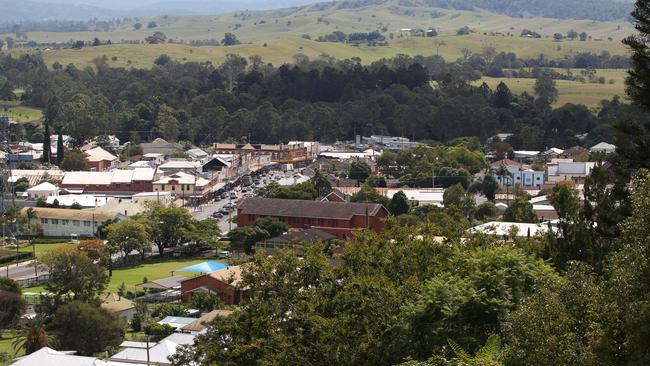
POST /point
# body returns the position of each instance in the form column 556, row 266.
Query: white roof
column 153, row 155
column 603, row 146
column 84, row 178
column 539, row 199
column 419, row 195
column 179, row 164
column 197, row 153
column 505, row 228
column 554, row 150
column 98, row 154
column 44, row 187
column 140, row 164
column 106, row 178
column 50, row 357
column 543, row 208
column 530, row 153
column 183, row 178
column 158, row 353
column 84, row 200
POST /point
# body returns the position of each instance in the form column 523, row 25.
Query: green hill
column 282, row 50
column 387, row 16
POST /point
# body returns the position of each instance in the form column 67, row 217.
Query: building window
column 86, row 223
column 55, row 221
column 65, row 222
column 43, row 221
column 75, row 222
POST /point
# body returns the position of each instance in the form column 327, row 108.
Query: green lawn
column 6, row 338
column 22, row 114
column 133, row 275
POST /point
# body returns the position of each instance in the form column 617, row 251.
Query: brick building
column 337, row 218
column 116, row 181
column 225, row 283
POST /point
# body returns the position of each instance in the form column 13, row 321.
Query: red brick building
column 225, row 283
column 116, row 181
column 337, row 218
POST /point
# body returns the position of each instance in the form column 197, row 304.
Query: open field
column 575, row 92
column 319, row 19
column 133, row 275
column 280, row 51
column 20, row 113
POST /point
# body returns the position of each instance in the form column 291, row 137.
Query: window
column 43, row 221
column 75, row 222
column 86, row 223
column 55, row 221
column 65, row 222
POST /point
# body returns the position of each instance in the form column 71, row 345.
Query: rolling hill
column 387, row 16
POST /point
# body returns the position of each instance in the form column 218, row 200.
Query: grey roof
column 309, row 209
column 306, row 236
column 164, row 283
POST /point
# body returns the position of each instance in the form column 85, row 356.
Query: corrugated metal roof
column 70, row 214
column 98, row 154
column 302, row 208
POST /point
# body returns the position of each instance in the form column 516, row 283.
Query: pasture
column 589, row 94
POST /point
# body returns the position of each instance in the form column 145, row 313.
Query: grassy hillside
column 388, row 16
column 279, row 51
column 589, row 94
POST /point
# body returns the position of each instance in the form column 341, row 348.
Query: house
column 119, row 306
column 226, row 283
column 603, row 148
column 200, row 324
column 66, row 223
column 42, row 191
column 160, row 146
column 154, row 159
column 182, row 185
column 295, row 240
column 337, row 218
column 568, row 171
column 517, row 174
column 100, row 160
column 143, row 353
column 197, row 154
column 116, row 181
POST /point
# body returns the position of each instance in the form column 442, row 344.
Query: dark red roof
column 312, row 209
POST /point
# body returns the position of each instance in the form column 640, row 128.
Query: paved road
column 22, row 270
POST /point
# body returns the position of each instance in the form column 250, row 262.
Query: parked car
column 223, row 254
column 217, row 215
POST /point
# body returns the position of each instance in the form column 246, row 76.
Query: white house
column 603, row 147
column 571, row 171
column 158, row 354
column 43, row 191
column 66, row 223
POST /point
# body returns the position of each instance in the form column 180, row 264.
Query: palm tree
column 33, row 337
column 488, row 355
column 505, row 175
